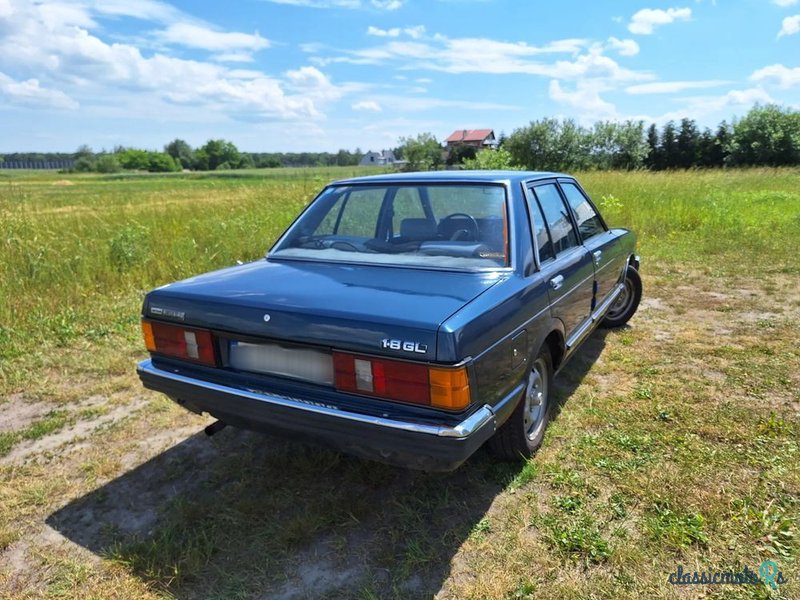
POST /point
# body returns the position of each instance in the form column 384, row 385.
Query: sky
column 320, row 75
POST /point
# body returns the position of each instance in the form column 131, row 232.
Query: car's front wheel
column 627, row 302
column 522, row 434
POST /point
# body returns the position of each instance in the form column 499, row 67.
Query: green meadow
column 676, row 442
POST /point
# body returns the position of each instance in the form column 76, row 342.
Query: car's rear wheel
column 523, row 432
column 627, row 302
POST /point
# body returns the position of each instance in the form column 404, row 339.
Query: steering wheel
column 473, row 223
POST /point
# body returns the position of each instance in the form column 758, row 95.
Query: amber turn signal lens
column 149, row 338
column 449, row 388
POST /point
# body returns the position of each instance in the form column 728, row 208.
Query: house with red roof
column 477, row 138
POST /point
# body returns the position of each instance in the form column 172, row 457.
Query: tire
column 625, row 305
column 522, row 434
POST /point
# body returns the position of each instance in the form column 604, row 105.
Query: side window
column 589, row 223
column 355, row 213
column 542, row 238
column 407, row 205
column 562, row 233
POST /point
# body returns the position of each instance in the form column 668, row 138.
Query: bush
column 159, row 162
column 491, row 160
column 107, row 164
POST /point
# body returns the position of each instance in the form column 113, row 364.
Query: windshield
column 443, row 226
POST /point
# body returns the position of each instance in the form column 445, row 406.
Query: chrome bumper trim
column 479, row 419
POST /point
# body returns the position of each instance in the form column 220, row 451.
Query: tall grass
column 77, row 253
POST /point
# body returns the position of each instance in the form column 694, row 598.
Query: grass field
column 677, row 441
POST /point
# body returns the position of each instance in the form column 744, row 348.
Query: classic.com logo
column 768, row 574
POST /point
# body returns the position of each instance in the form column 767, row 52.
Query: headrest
column 417, row 229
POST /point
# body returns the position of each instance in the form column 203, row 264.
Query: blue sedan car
column 408, row 318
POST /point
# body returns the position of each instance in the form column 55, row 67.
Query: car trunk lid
column 362, row 308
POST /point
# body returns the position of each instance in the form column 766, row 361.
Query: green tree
column 216, row 152
column 161, row 162
column 669, row 146
column 722, row 142
column 767, row 135
column 551, row 145
column 687, row 143
column 706, row 145
column 491, row 160
column 133, row 159
column 182, row 152
column 107, row 163
column 422, row 152
column 654, row 160
column 460, row 153
column 617, row 145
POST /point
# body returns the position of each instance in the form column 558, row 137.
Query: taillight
column 403, row 381
column 195, row 345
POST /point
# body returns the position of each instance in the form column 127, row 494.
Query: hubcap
column 536, row 399
column 623, row 301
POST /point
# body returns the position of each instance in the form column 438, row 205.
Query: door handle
column 557, row 281
column 598, row 256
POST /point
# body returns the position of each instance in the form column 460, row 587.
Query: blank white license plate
column 315, row 366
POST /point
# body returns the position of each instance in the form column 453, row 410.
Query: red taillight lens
column 403, row 381
column 196, row 345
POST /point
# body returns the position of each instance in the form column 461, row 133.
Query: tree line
column 766, row 136
column 177, row 155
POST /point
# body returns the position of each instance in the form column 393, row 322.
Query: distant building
column 384, row 157
column 477, row 138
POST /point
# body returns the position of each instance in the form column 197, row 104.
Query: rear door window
column 540, row 235
column 589, row 223
column 556, row 214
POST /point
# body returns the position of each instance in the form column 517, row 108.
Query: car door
column 602, row 244
column 564, row 261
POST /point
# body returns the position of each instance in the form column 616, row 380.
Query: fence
column 37, row 164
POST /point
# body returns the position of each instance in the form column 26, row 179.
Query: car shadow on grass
column 246, row 515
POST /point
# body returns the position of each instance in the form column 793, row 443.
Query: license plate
column 315, row 366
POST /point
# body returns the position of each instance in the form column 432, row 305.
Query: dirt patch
column 83, row 428
column 18, row 413
column 62, row 183
column 319, row 568
column 653, row 304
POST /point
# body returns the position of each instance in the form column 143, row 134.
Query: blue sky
column 318, row 75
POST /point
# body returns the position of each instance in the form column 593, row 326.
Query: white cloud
column 351, row 4
column 413, row 32
column 585, row 97
column 240, row 57
column 367, row 106
column 646, row 20
column 783, row 77
column 790, row 26
column 483, row 55
column 204, row 38
column 405, row 103
column 30, row 93
column 785, row 3
column 69, row 57
column 387, row 4
column 671, row 87
column 378, row 32
column 699, row 107
column 624, row 47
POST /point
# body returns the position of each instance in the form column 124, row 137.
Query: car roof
column 453, row 176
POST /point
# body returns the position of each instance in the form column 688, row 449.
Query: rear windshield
column 443, row 226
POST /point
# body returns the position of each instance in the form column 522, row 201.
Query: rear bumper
column 405, row 443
